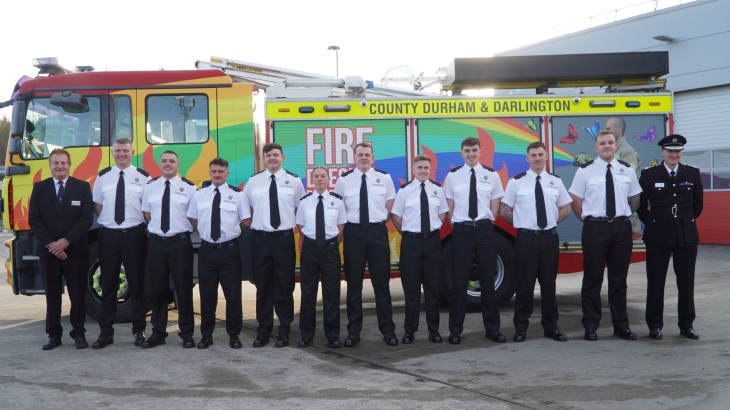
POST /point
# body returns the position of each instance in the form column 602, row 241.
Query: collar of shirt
column 604, row 164
column 357, row 173
column 676, row 169
column 278, row 174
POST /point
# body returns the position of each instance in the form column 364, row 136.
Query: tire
column 93, row 300
column 504, row 279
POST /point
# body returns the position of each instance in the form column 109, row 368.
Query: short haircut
column 470, row 142
column 122, row 141
column 535, row 145
column 365, row 145
column 169, row 152
column 421, row 158
column 272, row 146
column 218, row 161
column 619, row 121
column 60, row 151
column 605, row 132
column 326, row 171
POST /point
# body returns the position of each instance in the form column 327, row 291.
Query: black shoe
column 591, row 334
column 205, row 342
column 139, row 338
column 556, row 335
column 261, row 340
column 153, row 341
column 624, row 333
column 282, row 341
column 690, row 334
column 352, row 340
column 51, row 343
column 235, row 342
column 454, row 338
column 435, row 337
column 408, row 338
column 496, row 336
column 520, row 336
column 102, row 341
column 655, row 334
column 188, row 342
column 390, row 339
column 305, row 342
column 334, row 343
column 81, row 342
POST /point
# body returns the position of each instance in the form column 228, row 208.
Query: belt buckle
column 610, row 219
column 217, row 245
column 474, row 223
column 674, row 209
column 537, row 232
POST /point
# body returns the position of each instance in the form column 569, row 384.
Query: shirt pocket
column 377, row 190
column 461, row 191
column 229, row 207
column 486, row 188
column 596, row 185
column 623, row 182
column 413, row 202
column 352, row 198
column 153, row 199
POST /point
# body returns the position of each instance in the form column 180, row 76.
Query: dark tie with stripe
column 215, row 217
column 61, row 191
column 540, row 204
column 165, row 219
column 119, row 202
column 610, row 194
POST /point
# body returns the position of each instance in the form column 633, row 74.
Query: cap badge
column 485, row 177
column 674, row 140
column 552, row 183
column 332, row 204
column 621, row 170
column 435, row 193
column 377, row 181
column 182, row 189
column 136, row 180
column 286, row 182
column 230, row 197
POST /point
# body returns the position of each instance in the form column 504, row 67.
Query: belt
column 370, row 224
column 420, row 235
column 177, row 235
column 545, row 232
column 330, row 241
column 272, row 233
column 475, row 223
column 130, row 229
column 219, row 244
column 605, row 218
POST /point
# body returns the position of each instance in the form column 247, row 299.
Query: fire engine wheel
column 504, row 277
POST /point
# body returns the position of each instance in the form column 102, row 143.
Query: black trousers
column 75, row 270
column 420, row 264
column 313, row 264
column 369, row 246
column 220, row 266
column 274, row 260
column 605, row 244
column 119, row 247
column 172, row 256
column 468, row 242
column 536, row 258
column 657, row 262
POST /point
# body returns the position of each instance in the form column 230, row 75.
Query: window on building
column 714, row 165
column 177, row 119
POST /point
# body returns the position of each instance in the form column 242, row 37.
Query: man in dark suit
column 670, row 203
column 60, row 217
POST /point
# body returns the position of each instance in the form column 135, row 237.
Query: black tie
column 165, row 221
column 215, row 217
column 610, row 194
column 473, row 212
column 119, row 203
column 60, row 192
column 320, row 239
column 364, row 212
column 425, row 217
column 671, row 174
column 540, row 204
column 274, row 217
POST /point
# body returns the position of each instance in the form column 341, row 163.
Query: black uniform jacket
column 669, row 208
column 71, row 220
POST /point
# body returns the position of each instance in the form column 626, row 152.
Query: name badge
column 659, row 185
column 75, row 203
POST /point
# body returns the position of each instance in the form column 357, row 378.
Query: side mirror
column 17, row 120
column 70, row 102
column 15, row 146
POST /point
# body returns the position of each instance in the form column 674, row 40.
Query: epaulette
column 257, row 173
column 234, row 188
column 152, row 180
column 187, row 181
column 206, row 183
column 143, row 172
column 623, row 163
column 434, row 182
column 688, row 165
column 487, row 168
column 344, row 174
column 454, row 169
column 520, row 175
column 380, row 170
column 336, row 195
column 104, row 171
column 292, row 174
column 587, row 164
column 405, row 185
column 302, row 198
column 556, row 176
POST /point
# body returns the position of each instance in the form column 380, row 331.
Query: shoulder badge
column 434, row 182
column 688, row 165
column 206, row 183
column 152, row 180
column 336, row 195
column 143, row 172
column 234, row 188
column 520, row 175
column 344, row 174
column 556, row 176
column 257, row 173
column 587, row 164
column 187, row 181
column 626, row 164
column 302, row 198
column 454, row 169
column 487, row 168
column 104, row 171
column 380, row 170
column 292, row 174
column 405, row 185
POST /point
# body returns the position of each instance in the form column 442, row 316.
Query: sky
column 373, row 36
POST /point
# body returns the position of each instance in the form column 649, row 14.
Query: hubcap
column 475, row 288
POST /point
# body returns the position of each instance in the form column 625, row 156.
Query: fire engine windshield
column 48, row 127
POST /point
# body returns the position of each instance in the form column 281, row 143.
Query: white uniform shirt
column 407, row 205
column 520, row 195
column 181, row 192
column 380, row 190
column 589, row 184
column 105, row 194
column 234, row 209
column 334, row 214
column 456, row 187
column 289, row 191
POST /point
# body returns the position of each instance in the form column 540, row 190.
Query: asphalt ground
column 540, row 373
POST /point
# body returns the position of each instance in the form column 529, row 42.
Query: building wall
column 713, row 224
